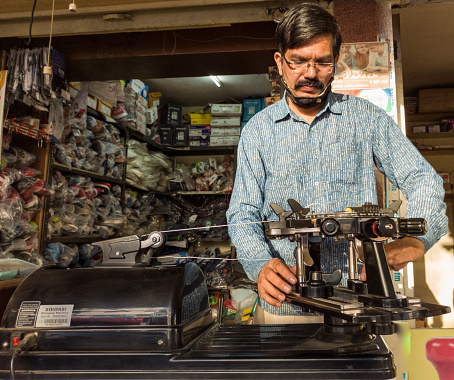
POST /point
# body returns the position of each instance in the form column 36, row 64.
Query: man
column 319, row 148
column 378, row 58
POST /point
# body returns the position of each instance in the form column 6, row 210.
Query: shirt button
column 316, row 183
column 315, row 156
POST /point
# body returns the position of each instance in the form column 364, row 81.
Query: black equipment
column 126, row 319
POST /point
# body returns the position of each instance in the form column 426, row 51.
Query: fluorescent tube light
column 216, row 80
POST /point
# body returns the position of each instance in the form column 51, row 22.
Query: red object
column 440, row 352
column 16, row 341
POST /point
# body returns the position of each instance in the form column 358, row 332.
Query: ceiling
column 427, row 61
column 425, row 27
column 198, row 91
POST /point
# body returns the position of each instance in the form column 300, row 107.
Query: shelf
column 200, row 192
column 425, row 136
column 73, row 239
column 199, row 151
column 427, row 117
column 100, row 116
column 68, row 169
column 437, row 152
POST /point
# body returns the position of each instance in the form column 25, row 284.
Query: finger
column 277, row 281
column 363, row 276
column 270, row 294
column 285, row 272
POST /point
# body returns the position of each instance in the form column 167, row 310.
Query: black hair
column 300, row 24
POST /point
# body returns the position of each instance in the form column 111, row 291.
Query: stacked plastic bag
column 208, row 175
column 20, row 191
column 147, row 170
column 90, row 144
column 81, row 207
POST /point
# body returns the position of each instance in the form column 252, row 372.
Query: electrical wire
column 50, row 37
column 31, row 24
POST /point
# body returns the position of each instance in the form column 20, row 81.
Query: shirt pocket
column 342, row 162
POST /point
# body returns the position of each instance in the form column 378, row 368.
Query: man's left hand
column 401, row 252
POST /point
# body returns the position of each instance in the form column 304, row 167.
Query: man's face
column 306, row 80
column 376, row 48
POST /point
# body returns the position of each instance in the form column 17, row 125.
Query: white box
column 224, row 140
column 226, row 109
column 225, row 131
column 232, row 121
column 142, row 101
column 136, row 85
column 141, row 123
column 433, row 128
column 152, row 115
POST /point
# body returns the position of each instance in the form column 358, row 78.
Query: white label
column 27, row 314
column 213, row 178
column 65, row 94
column 54, row 315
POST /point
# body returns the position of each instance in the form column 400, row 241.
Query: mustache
column 308, row 82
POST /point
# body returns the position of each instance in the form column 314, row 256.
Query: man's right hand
column 273, row 281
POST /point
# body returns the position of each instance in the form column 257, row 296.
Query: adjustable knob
column 385, row 227
column 330, row 227
column 413, row 226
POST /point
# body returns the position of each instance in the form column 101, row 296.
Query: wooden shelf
column 437, row 152
column 425, row 136
column 428, row 117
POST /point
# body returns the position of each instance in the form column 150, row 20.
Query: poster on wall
column 362, row 65
column 2, row 102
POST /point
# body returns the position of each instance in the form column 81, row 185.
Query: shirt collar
column 332, row 104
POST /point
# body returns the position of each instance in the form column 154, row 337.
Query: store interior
column 178, row 59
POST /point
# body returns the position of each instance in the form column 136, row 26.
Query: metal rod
column 352, row 261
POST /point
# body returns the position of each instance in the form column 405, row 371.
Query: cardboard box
column 230, row 121
column 171, row 114
column 226, row 109
column 200, row 141
column 199, row 130
column 224, row 140
column 151, row 115
column 181, row 136
column 446, row 177
column 436, row 100
column 141, row 123
column 166, row 135
column 225, row 131
column 271, row 100
column 92, row 102
column 251, row 107
column 200, row 118
column 273, row 74
column 419, row 129
column 154, row 99
column 275, row 89
column 104, row 108
column 136, row 85
column 142, row 102
column 433, row 128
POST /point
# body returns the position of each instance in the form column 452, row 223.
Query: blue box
column 251, row 107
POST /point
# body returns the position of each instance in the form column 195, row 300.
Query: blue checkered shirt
column 326, row 165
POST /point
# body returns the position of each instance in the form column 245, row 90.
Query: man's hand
column 273, row 281
column 400, row 252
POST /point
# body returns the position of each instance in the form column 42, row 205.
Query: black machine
column 129, row 320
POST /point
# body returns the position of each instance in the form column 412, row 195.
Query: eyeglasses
column 303, row 66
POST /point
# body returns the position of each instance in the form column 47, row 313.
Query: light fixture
column 73, row 6
column 47, row 69
column 216, row 80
